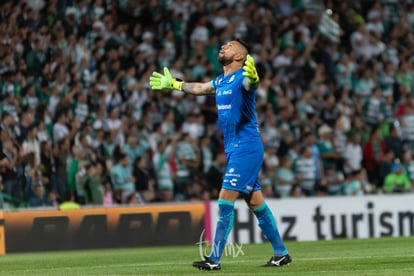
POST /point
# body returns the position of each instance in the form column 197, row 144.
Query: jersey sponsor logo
column 233, row 182
column 225, row 92
column 223, row 106
column 231, row 78
column 231, row 173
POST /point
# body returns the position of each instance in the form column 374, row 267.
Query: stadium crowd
column 78, row 117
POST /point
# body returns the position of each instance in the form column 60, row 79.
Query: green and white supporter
column 344, row 72
column 387, row 80
column 374, row 108
column 365, row 85
column 407, row 124
column 160, row 159
column 304, row 169
column 184, row 152
column 285, row 179
column 81, row 107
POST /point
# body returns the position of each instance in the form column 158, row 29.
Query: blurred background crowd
column 79, row 122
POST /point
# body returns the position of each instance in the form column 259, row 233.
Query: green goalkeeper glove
column 166, row 81
column 250, row 70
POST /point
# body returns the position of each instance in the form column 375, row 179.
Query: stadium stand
column 337, row 92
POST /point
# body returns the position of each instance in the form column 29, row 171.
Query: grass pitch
column 385, row 256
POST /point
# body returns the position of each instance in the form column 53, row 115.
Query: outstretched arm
column 198, row 88
column 251, row 81
column 166, row 81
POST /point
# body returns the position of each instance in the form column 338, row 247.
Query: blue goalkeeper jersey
column 236, row 109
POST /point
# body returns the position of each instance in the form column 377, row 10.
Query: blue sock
column 268, row 225
column 224, row 226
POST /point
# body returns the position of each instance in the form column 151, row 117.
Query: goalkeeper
column 235, row 92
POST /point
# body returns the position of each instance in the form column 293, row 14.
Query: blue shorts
column 242, row 170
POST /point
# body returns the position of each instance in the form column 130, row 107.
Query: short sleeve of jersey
column 212, row 84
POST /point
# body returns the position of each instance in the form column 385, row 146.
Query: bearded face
column 226, row 53
column 230, row 52
column 224, row 60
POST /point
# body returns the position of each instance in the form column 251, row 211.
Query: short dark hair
column 244, row 44
column 32, row 127
column 122, row 156
column 5, row 114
